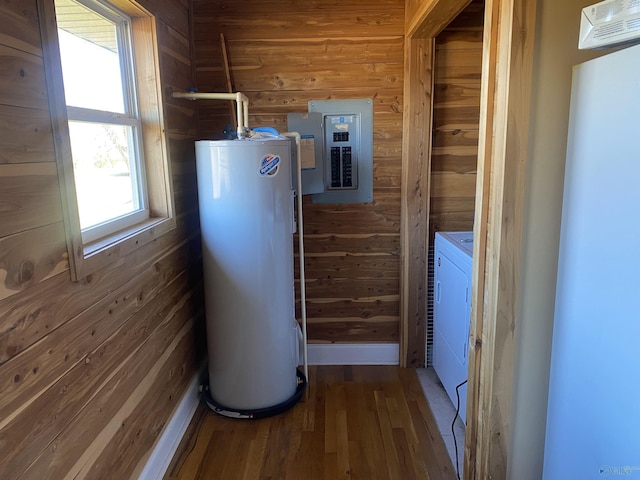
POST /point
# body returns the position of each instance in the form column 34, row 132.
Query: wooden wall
column 456, row 116
column 90, row 371
column 283, row 54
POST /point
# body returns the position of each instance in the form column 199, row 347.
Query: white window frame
column 90, row 251
column 130, row 118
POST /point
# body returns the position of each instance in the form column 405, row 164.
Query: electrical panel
column 341, row 139
column 347, row 153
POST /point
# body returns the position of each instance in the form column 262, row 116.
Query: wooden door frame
column 508, row 50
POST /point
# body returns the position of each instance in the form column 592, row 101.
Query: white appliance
column 593, row 417
column 452, row 312
column 247, row 222
column 609, row 23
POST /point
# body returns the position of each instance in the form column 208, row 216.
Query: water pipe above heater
column 242, row 106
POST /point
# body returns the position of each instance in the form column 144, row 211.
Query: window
column 106, row 107
column 102, row 108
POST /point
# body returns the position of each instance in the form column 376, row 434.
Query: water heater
column 247, row 222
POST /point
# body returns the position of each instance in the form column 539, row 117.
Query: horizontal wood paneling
column 268, row 6
column 334, row 288
column 32, row 256
column 457, row 57
column 20, row 26
column 352, row 244
column 452, row 213
column 30, row 197
column 455, row 159
column 455, row 38
column 144, row 414
column 45, row 306
column 455, row 117
column 456, row 113
column 85, row 377
column 52, row 356
column 282, row 55
column 351, row 266
column 365, row 308
column 302, row 21
column 452, row 184
column 173, row 62
column 22, row 81
column 90, row 371
column 309, row 51
column 387, row 175
column 26, row 135
column 104, row 413
column 456, row 137
column 451, row 95
column 181, row 119
column 353, row 330
column 384, row 212
column 324, row 77
column 287, row 101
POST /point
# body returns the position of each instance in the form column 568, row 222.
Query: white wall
column 556, row 52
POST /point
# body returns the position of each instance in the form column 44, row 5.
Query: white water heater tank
column 247, row 223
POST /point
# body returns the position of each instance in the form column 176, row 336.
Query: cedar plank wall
column 283, row 54
column 91, row 371
column 456, row 116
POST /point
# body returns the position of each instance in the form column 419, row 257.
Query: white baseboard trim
column 353, row 354
column 168, row 443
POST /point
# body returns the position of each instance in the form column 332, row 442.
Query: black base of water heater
column 257, row 413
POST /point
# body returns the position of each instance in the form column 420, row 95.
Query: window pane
column 90, row 60
column 103, row 170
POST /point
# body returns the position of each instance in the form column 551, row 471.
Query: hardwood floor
column 355, row 422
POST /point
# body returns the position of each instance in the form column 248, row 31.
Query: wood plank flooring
column 354, row 422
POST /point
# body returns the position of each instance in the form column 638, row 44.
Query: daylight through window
column 104, row 123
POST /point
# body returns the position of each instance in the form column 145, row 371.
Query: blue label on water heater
column 269, row 164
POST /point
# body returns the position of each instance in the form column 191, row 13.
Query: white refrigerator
column 593, row 419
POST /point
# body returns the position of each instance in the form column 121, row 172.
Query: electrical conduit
column 303, row 294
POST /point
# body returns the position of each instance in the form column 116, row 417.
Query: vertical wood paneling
column 283, row 54
column 416, row 163
column 504, row 142
column 91, row 370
